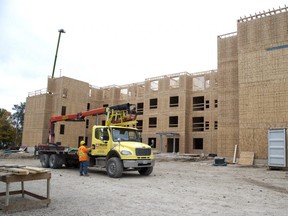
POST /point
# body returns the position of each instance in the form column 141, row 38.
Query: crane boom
column 122, row 114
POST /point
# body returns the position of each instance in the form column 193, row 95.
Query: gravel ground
column 177, row 186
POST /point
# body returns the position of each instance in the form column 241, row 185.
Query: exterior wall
column 76, row 95
column 208, row 110
column 37, row 114
column 73, row 95
column 263, row 79
column 169, row 86
column 228, row 95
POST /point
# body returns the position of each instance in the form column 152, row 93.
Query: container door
column 277, row 147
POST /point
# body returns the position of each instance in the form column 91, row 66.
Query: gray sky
column 111, row 42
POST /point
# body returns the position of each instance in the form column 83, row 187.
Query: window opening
column 65, row 92
column 207, row 83
column 124, row 94
column 63, row 110
column 198, row 124
column 139, row 124
column 173, row 121
column 207, row 125
column 198, row 83
column 153, row 122
column 198, row 103
column 198, row 143
column 154, row 85
column 140, row 108
column 62, row 129
column 152, row 142
column 174, row 101
column 174, row 82
column 153, row 103
column 216, row 125
column 207, row 104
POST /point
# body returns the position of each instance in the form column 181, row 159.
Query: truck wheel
column 114, row 167
column 55, row 161
column 44, row 160
column 145, row 171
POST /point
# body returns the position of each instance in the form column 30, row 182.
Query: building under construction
column 207, row 112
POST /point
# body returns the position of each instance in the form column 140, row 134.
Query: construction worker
column 83, row 158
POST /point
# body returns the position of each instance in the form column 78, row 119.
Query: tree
column 7, row 132
column 17, row 119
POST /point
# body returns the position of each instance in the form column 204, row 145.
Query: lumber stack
column 11, row 169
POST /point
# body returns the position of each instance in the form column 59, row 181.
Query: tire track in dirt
column 267, row 186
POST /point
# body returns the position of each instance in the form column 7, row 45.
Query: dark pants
column 84, row 167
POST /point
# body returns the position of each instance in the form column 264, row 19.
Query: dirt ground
column 177, row 186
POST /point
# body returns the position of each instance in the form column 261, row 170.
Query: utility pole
column 60, row 31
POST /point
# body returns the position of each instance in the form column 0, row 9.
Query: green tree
column 17, row 119
column 7, row 132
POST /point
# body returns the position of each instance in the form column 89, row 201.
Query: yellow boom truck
column 116, row 146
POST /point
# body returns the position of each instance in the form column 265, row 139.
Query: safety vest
column 82, row 153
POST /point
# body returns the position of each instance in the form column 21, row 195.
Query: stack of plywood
column 10, row 169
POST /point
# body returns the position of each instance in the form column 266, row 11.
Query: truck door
column 100, row 141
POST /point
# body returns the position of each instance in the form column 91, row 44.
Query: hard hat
column 82, row 142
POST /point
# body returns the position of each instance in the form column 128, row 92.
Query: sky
column 111, row 42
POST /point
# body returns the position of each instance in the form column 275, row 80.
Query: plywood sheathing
column 228, row 120
column 263, row 80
